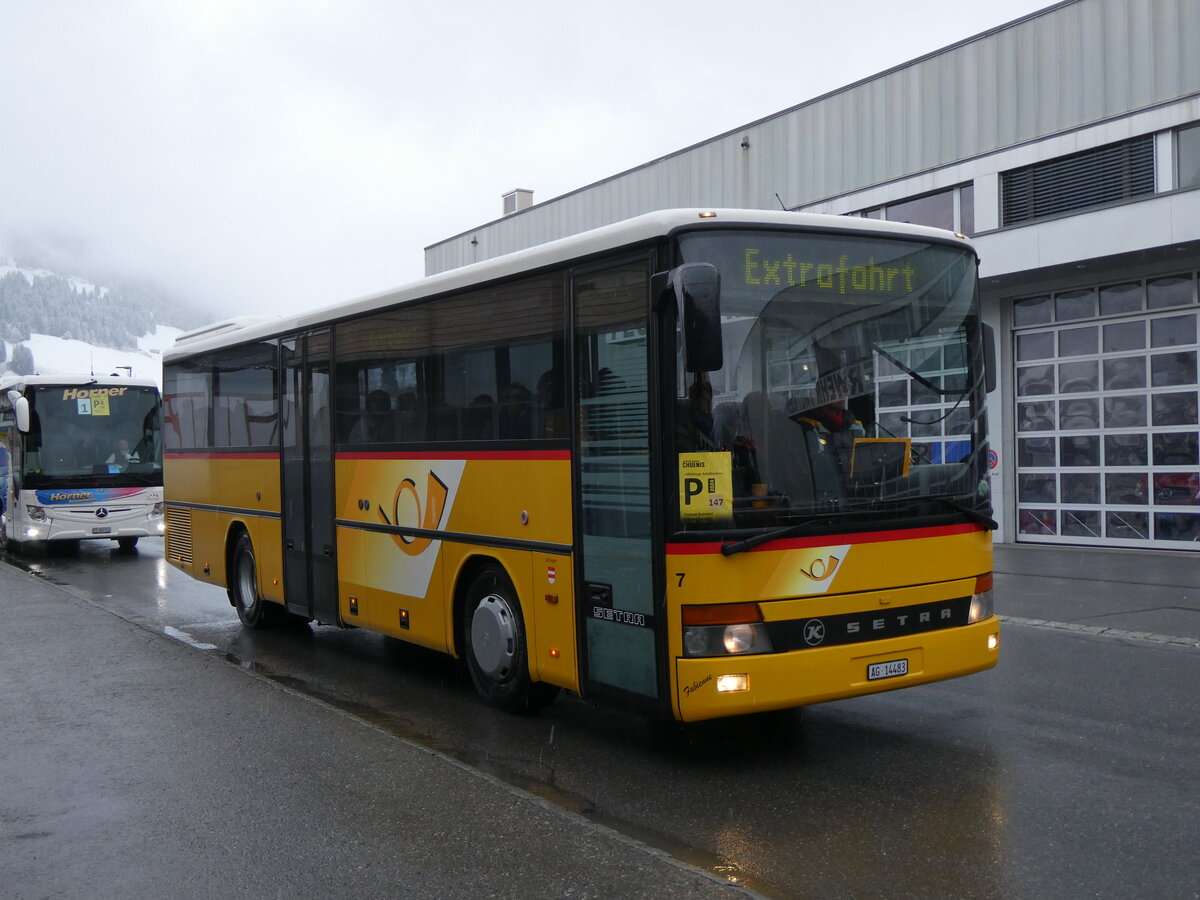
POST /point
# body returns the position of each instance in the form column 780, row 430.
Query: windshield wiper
column 731, row 547
column 146, row 478
column 973, row 514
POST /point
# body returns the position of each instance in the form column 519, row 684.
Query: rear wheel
column 496, row 649
column 243, row 585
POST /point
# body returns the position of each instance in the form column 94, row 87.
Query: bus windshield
column 104, row 436
column 851, row 391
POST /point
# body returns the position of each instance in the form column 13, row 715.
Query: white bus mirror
column 20, row 410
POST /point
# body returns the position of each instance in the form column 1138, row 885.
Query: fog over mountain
column 56, row 322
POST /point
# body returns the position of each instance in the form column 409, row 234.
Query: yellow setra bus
column 699, row 463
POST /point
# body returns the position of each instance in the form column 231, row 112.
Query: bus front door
column 616, row 593
column 309, row 564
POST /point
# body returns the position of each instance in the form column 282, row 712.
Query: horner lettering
column 85, row 393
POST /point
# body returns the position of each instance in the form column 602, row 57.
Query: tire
column 495, row 646
column 127, row 543
column 243, row 586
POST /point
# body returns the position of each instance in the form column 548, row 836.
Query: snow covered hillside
column 55, row 324
column 60, row 356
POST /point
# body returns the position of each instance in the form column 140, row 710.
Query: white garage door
column 1108, row 449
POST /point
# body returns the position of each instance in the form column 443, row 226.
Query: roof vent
column 516, row 200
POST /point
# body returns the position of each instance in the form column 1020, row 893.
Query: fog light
column 993, row 641
column 727, row 684
column 33, row 533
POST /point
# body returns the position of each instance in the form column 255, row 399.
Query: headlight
column 724, row 630
column 37, row 514
column 156, row 511
column 725, row 640
column 982, row 606
column 739, row 638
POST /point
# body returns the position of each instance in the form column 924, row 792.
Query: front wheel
column 243, row 586
column 496, row 649
column 127, row 543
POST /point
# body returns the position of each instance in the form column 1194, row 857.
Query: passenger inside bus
column 552, row 417
column 479, row 420
column 377, row 425
column 516, row 413
column 120, row 457
column 410, row 421
column 697, row 428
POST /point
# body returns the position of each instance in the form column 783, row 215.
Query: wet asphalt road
column 1069, row 770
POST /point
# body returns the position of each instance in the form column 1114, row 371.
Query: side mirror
column 697, row 290
column 21, row 410
column 989, row 357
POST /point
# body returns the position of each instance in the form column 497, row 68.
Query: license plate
column 101, row 531
column 893, row 668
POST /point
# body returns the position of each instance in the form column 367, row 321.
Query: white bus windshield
column 851, row 383
column 104, row 434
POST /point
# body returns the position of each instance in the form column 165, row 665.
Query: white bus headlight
column 724, row 630
column 740, row 638
column 37, row 514
column 982, row 605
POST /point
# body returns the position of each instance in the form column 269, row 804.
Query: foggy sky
column 277, row 155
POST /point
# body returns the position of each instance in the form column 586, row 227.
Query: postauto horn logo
column 407, row 506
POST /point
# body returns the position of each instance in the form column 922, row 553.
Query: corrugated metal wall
column 1071, row 65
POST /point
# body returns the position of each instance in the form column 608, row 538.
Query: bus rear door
column 306, row 460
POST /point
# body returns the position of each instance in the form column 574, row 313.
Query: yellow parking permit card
column 705, row 486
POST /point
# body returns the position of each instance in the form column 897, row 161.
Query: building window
column 932, row 209
column 1096, row 177
column 966, row 209
column 1188, row 144
column 936, row 210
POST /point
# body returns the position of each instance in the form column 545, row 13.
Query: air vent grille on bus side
column 179, row 534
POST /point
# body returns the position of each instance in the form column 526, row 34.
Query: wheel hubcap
column 493, row 636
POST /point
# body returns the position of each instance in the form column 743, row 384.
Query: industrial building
column 1067, row 145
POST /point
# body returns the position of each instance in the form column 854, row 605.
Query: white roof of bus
column 10, row 381
column 608, row 237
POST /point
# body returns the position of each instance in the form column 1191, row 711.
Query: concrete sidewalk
column 1154, row 594
column 133, row 766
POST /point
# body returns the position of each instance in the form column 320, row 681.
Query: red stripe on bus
column 824, row 540
column 460, row 454
column 171, row 455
